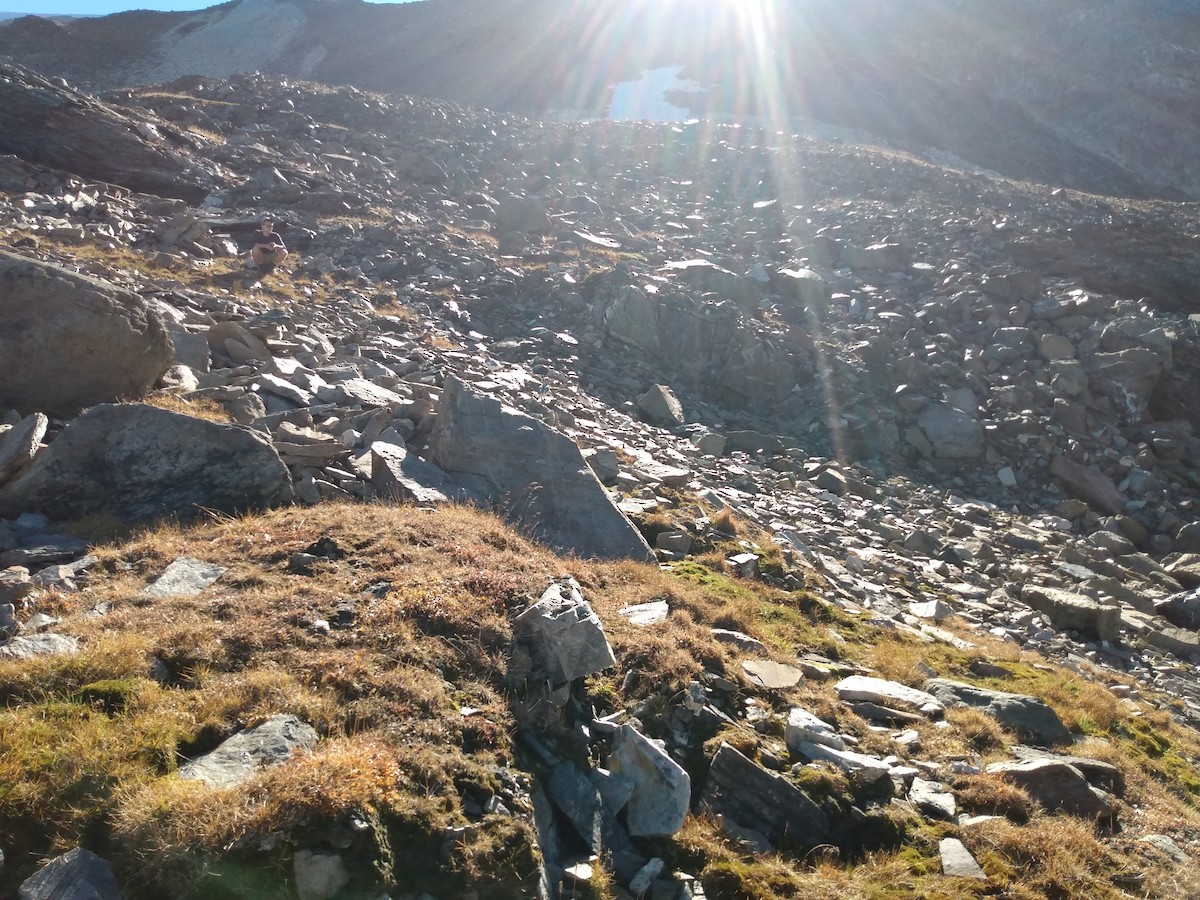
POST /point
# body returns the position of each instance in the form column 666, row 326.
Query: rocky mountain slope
column 1098, row 96
column 914, row 449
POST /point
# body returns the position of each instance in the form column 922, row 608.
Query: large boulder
column 953, row 434
column 138, row 463
column 765, row 802
column 709, row 342
column 1029, row 717
column 70, row 341
column 1075, row 612
column 52, row 125
column 662, row 789
column 536, row 474
column 1058, row 786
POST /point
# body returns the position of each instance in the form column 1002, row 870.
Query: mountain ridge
column 1093, row 96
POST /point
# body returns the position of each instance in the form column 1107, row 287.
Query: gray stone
column 569, row 641
column 15, row 584
column 1186, row 570
column 662, row 787
column 952, row 433
column 1168, row 846
column 803, row 726
column 764, row 802
column 679, row 542
column 1057, row 786
column 398, row 475
column 1098, row 773
column 650, row 613
column 862, row 768
column 743, row 642
column 55, row 125
column 320, row 874
column 264, row 746
column 878, row 690
column 1181, row 609
column 709, row 444
column 358, row 392
column 1181, row 642
column 1094, row 488
column 138, row 463
column 70, row 341
column 184, row 577
column 661, row 406
column 1029, row 717
column 604, row 463
column 1075, row 612
column 772, row 675
column 957, row 861
column 933, row 799
column 28, row 646
column 537, row 475
column 78, row 874
column 19, row 444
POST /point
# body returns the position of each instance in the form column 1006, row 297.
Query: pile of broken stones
column 939, row 407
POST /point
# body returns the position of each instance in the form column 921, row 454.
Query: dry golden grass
column 203, row 408
column 92, row 741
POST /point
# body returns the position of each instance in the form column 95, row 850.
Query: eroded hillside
column 913, row 450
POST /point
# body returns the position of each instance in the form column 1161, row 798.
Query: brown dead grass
column 203, row 408
column 92, row 741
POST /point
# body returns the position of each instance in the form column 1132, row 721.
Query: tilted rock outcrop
column 139, row 463
column 69, row 341
column 47, row 123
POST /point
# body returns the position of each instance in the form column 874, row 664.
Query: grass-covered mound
column 394, row 645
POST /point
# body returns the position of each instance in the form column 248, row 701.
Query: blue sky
column 104, row 7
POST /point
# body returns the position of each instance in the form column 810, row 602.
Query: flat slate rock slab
column 38, row 645
column 185, row 577
column 269, row 744
column 957, row 861
column 78, row 874
column 772, row 675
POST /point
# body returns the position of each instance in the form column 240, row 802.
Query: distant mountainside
column 1098, row 95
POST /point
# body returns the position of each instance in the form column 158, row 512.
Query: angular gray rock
column 138, row 463
column 889, row 693
column 52, row 125
column 1029, row 717
column 762, row 801
column 19, row 444
column 78, row 874
column 1094, row 488
column 70, row 341
column 1075, row 612
column 536, row 474
column 397, row 474
column 1057, row 786
column 957, row 861
column 568, row 639
column 934, row 799
column 661, row 787
column 952, row 433
column 804, row 726
column 38, row 645
column 266, row 745
column 661, row 406
column 184, row 577
column 1181, row 609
